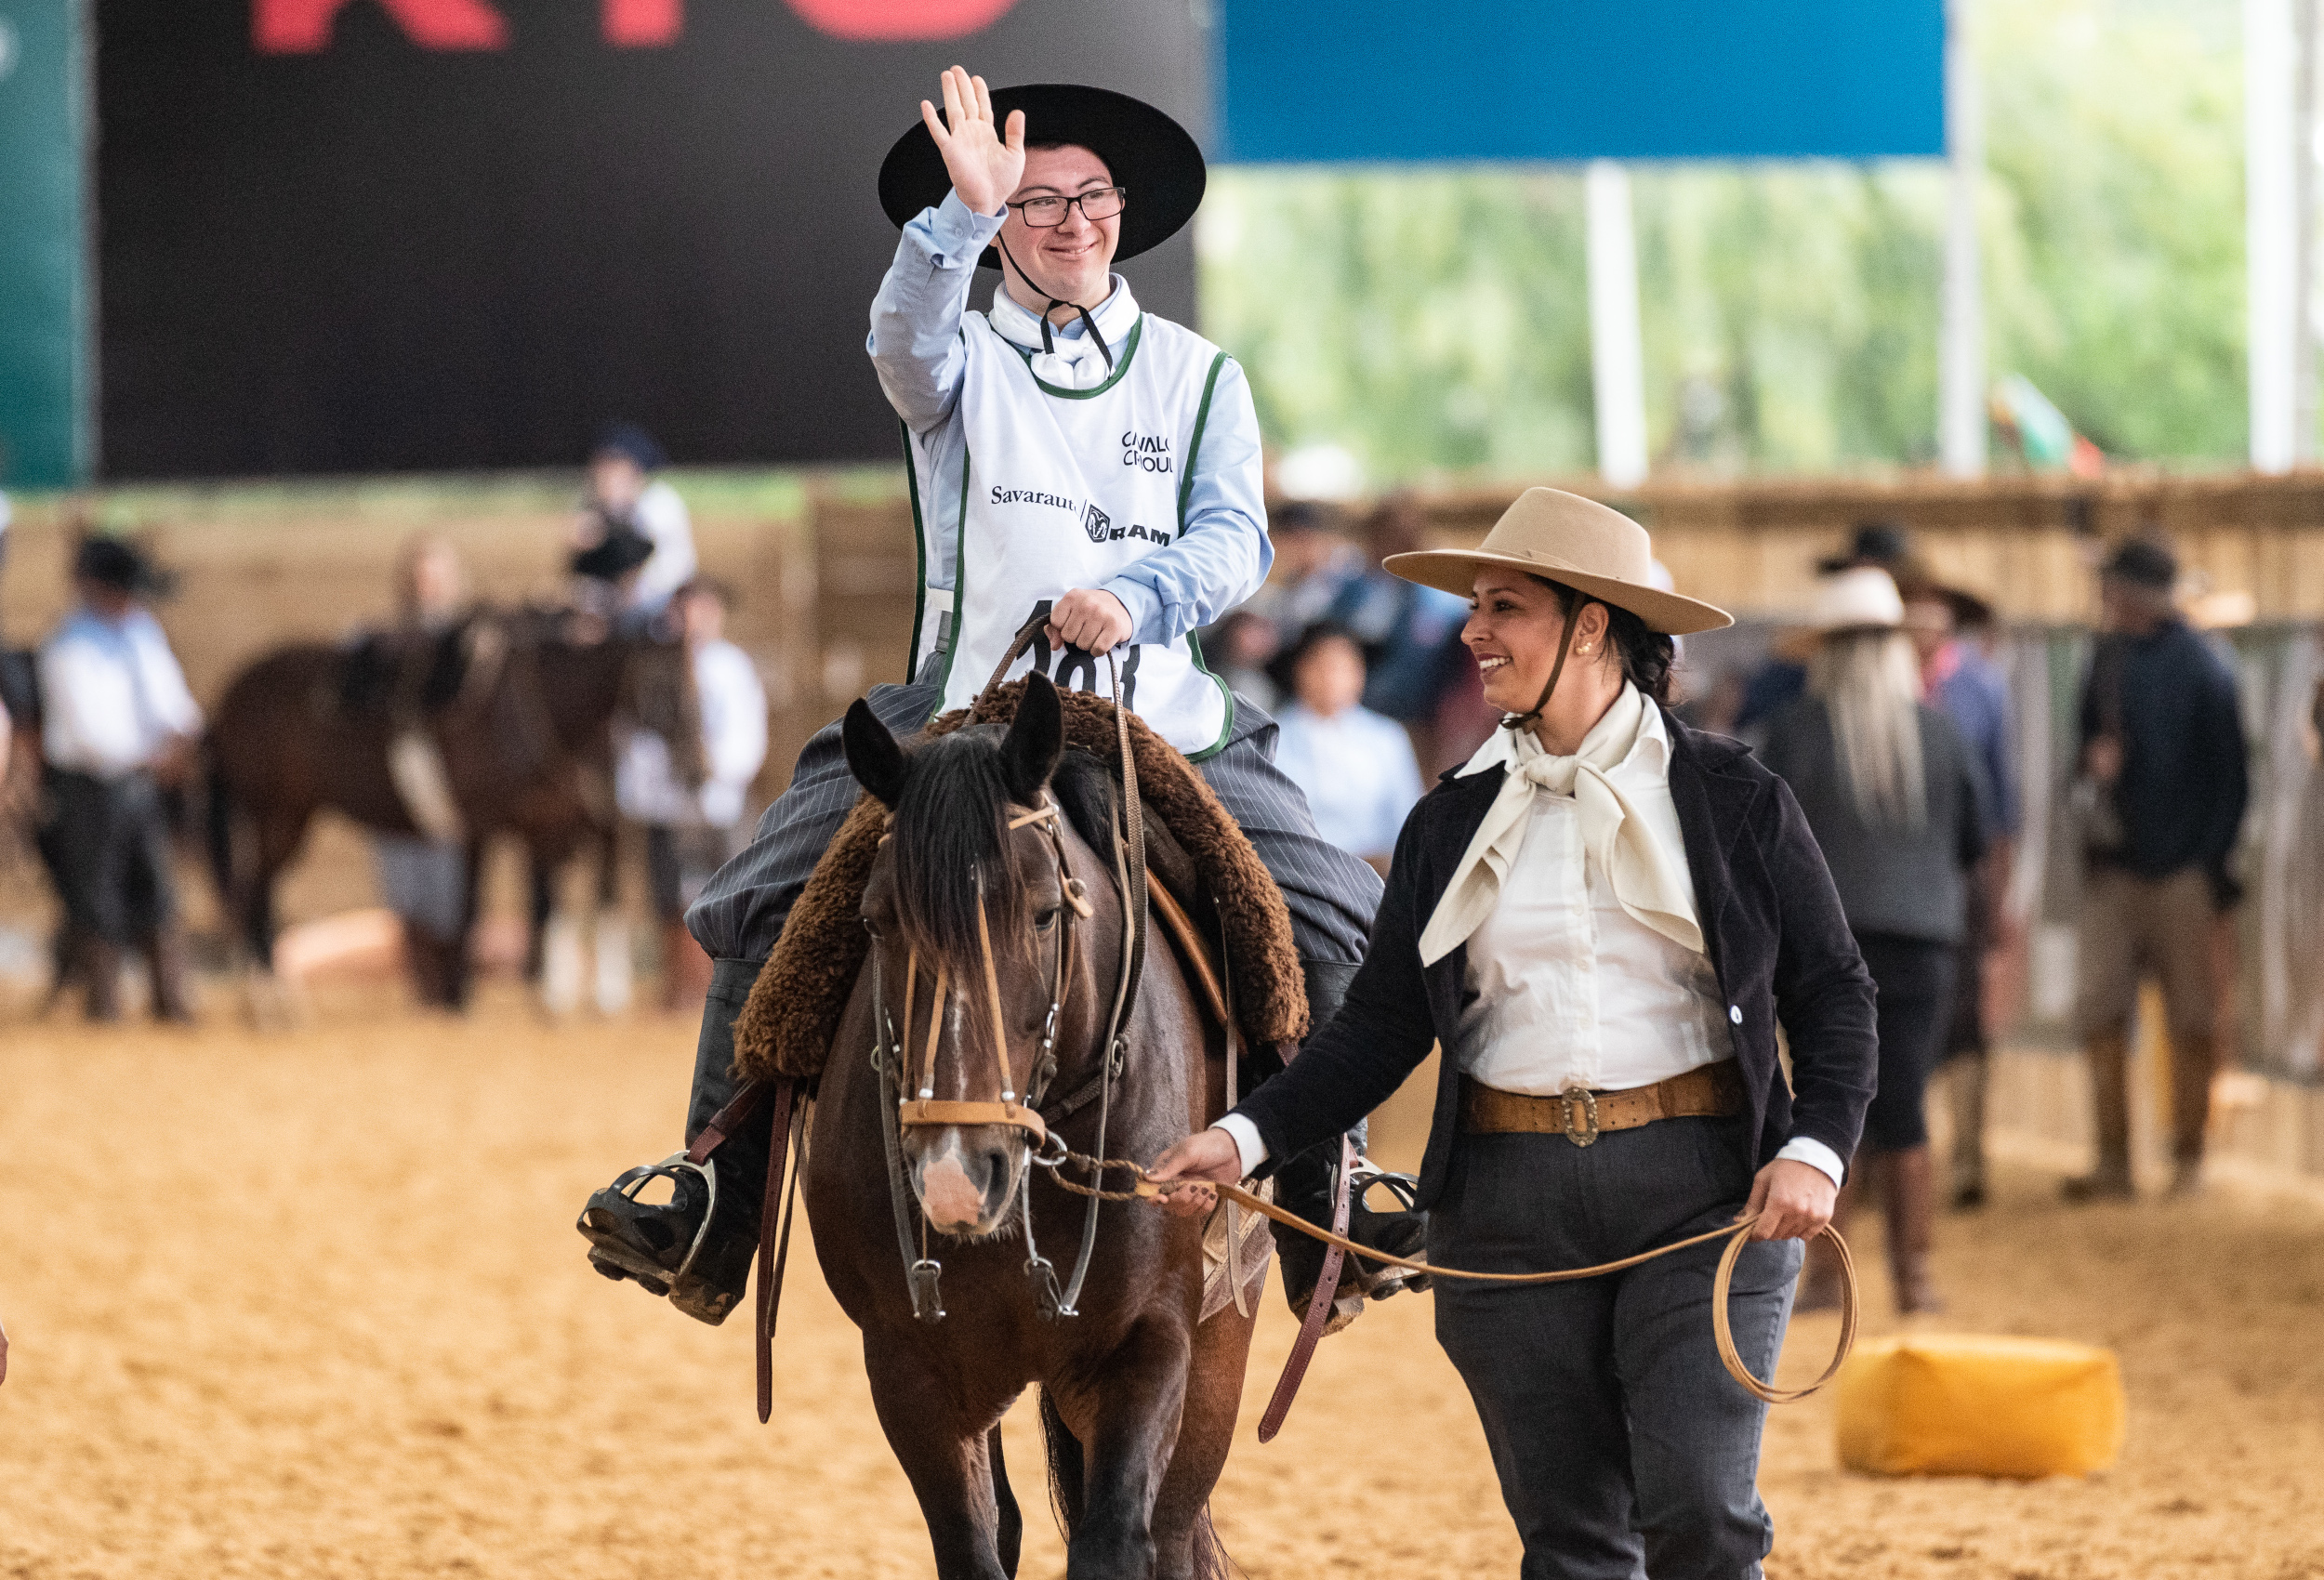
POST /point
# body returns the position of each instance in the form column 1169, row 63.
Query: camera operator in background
column 625, row 495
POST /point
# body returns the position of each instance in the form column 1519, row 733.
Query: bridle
column 892, row 1053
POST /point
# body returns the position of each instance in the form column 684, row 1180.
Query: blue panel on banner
column 1370, row 80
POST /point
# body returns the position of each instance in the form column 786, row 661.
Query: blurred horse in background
column 523, row 711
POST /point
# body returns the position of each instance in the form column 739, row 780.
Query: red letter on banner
column 643, row 24
column 892, row 22
column 303, row 27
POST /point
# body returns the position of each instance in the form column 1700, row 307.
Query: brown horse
column 1138, row 1395
column 522, row 711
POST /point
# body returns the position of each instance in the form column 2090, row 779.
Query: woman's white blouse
column 1568, row 989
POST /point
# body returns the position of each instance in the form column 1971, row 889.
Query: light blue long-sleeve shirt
column 1222, row 554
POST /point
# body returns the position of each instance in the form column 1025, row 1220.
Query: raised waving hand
column 985, row 162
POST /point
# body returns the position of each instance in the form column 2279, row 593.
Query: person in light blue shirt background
column 1356, row 765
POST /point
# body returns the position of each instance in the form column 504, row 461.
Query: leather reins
column 892, row 1051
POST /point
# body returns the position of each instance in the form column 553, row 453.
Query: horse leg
column 460, row 970
column 1009, row 1539
column 1131, row 1419
column 945, row 1457
column 615, row 986
column 563, row 963
column 279, row 838
column 1185, row 1546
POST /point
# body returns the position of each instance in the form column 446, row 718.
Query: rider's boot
column 653, row 1243
column 1307, row 1184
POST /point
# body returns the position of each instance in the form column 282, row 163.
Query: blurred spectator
column 624, row 492
column 691, row 832
column 1783, row 678
column 1355, row 766
column 1315, row 569
column 1410, row 634
column 1892, row 795
column 1964, row 684
column 1242, row 646
column 422, row 875
column 2161, row 797
column 118, row 726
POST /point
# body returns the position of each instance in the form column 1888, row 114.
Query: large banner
column 1339, row 80
column 369, row 235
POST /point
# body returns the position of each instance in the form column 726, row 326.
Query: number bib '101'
column 1068, row 488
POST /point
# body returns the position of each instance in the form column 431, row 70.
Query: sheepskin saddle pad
column 786, row 1026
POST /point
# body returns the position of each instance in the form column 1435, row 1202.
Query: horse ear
column 1035, row 740
column 873, row 756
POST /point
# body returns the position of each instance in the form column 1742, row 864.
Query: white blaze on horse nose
column 950, row 1198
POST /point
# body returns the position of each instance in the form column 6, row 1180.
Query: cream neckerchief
column 1076, row 363
column 1650, row 883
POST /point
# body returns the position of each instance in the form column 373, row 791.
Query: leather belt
column 1708, row 1091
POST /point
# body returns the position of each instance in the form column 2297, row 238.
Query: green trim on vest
column 1194, row 446
column 1130, row 349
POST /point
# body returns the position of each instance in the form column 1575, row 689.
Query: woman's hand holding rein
column 1202, row 1158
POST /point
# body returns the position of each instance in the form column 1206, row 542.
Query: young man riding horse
column 1070, row 454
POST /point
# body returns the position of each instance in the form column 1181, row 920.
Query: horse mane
column 949, row 829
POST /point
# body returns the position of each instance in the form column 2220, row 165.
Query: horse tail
column 1208, row 1553
column 1065, row 1490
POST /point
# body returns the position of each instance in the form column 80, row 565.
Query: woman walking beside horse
column 1602, row 916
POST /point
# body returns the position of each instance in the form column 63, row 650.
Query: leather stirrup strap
column 1318, row 1308
column 774, row 1239
column 726, row 1121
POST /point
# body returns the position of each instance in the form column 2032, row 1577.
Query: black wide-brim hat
column 1151, row 157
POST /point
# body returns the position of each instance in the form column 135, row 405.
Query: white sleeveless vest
column 1067, row 488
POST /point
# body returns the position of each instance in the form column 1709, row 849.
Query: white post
column 1617, row 356
column 2304, row 173
column 2270, row 232
column 1960, row 371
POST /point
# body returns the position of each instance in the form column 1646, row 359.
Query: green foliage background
column 1435, row 320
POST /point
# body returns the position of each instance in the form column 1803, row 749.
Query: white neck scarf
column 1649, row 883
column 1075, row 362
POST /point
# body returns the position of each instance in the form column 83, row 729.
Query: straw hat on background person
column 1861, row 598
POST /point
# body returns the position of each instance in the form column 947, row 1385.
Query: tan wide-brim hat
column 1563, row 537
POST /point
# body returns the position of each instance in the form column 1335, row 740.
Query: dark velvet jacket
column 1771, row 925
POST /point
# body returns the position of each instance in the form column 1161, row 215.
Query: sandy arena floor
column 312, row 1305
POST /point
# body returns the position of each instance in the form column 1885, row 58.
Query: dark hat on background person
column 116, row 563
column 1284, row 668
column 2141, row 563
column 1151, row 157
column 1919, row 584
column 1884, row 544
column 1303, row 516
column 620, row 551
column 630, row 441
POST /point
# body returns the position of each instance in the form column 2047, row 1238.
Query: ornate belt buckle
column 1586, row 1102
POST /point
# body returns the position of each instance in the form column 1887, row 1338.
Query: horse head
column 982, row 906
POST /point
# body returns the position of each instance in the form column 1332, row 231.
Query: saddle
column 1201, row 859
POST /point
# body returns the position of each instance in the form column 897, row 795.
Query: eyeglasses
column 1101, row 203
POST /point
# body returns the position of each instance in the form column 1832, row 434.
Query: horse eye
column 1045, row 919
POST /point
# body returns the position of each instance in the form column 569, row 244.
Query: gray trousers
column 1623, row 1447
column 1331, row 894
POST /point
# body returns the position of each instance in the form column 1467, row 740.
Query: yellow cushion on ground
column 1965, row 1405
